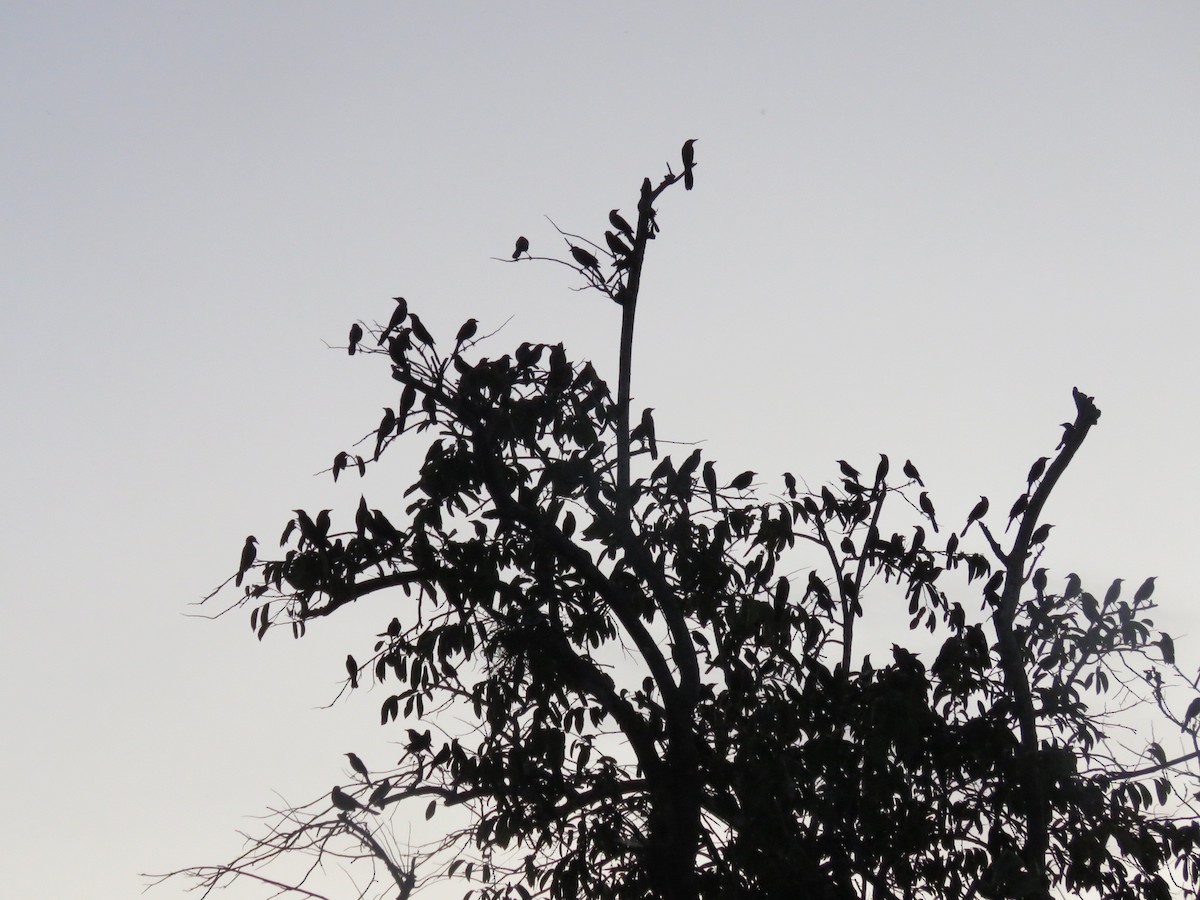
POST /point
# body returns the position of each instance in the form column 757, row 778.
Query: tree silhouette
column 611, row 687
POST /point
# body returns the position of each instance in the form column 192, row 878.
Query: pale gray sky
column 915, row 226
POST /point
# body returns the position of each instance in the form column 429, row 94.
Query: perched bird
column 420, row 332
column 789, row 481
column 1035, row 471
column 248, row 554
column 1074, row 586
column 308, row 528
column 380, row 793
column 977, row 513
column 710, row 482
column 356, row 334
column 848, row 470
column 743, row 481
column 352, row 670
column 322, row 525
column 468, row 330
column 619, row 223
column 690, row 465
column 585, row 259
column 616, row 245
column 910, row 471
column 522, row 247
column 689, row 162
column 386, row 425
column 1040, row 535
column 645, row 432
column 399, row 314
column 927, row 508
column 357, row 765
column 345, row 802
column 1018, row 508
column 881, row 470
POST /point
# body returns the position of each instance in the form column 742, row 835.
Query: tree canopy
column 618, row 674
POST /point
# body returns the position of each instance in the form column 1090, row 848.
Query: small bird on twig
column 522, row 247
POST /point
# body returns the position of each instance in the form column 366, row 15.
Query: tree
column 618, row 687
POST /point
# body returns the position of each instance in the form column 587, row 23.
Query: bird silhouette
column 356, row 335
column 743, row 481
column 710, row 482
column 789, row 481
column 248, row 554
column 977, row 513
column 352, row 670
column 689, row 162
column 927, row 508
column 1036, row 470
column 645, row 432
column 1019, row 507
column 399, row 314
column 345, row 802
column 468, row 330
column 420, row 332
column 522, row 247
column 616, row 245
column 910, row 471
column 848, row 470
column 690, row 465
column 618, row 222
column 1039, row 536
column 585, row 259
column 357, row 765
column 386, row 424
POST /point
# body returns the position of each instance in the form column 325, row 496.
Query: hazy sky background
column 915, row 227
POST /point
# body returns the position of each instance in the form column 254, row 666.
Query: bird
column 585, row 259
column 468, row 330
column 352, row 670
column 977, row 513
column 322, row 525
column 248, row 554
column 789, row 481
column 689, row 162
column 618, row 222
column 616, row 245
column 357, row 765
column 910, row 471
column 710, row 482
column 881, row 470
column 522, row 247
column 691, row 464
column 848, row 470
column 345, row 802
column 927, row 508
column 356, row 334
column 645, row 432
column 420, row 332
column 743, row 481
column 399, row 314
column 1039, row 536
column 1019, row 507
column 386, row 424
column 380, row 793
column 1036, row 470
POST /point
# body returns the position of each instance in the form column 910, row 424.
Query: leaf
column 430, row 809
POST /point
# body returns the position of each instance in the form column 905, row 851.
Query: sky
column 915, row 227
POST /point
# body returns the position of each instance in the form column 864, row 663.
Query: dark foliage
column 614, row 688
